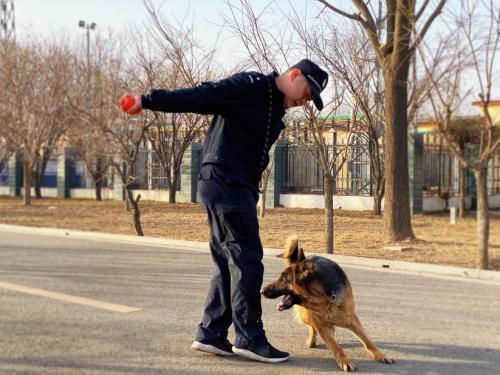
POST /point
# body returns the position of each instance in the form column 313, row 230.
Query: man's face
column 298, row 92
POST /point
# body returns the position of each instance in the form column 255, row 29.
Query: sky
column 45, row 16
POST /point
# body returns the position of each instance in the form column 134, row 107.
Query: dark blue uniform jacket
column 236, row 142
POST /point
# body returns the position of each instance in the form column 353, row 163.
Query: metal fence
column 355, row 177
column 494, row 175
column 441, row 171
column 303, row 174
column 149, row 173
column 301, row 171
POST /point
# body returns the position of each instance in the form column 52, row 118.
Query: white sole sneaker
column 209, row 349
column 251, row 355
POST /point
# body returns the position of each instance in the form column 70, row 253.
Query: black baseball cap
column 317, row 78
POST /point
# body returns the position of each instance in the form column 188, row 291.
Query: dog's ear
column 305, row 274
column 292, row 254
column 300, row 255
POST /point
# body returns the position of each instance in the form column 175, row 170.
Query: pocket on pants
column 206, row 173
column 238, row 226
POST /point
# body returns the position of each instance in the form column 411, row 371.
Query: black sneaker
column 218, row 347
column 263, row 352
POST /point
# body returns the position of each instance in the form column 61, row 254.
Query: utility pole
column 88, row 27
column 7, row 21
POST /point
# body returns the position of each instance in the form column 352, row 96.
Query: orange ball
column 126, row 102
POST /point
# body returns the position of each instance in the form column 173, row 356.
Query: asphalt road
column 430, row 325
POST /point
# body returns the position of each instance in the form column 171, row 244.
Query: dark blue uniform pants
column 234, row 294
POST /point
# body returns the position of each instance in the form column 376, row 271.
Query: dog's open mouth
column 286, row 303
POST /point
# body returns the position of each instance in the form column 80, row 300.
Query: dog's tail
column 292, row 253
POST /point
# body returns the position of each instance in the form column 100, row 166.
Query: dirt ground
column 356, row 233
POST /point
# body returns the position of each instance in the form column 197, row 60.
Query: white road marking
column 68, row 298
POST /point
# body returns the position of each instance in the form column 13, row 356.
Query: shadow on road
column 436, row 359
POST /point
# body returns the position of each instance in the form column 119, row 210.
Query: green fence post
column 190, row 168
column 15, row 175
column 416, row 171
column 65, row 173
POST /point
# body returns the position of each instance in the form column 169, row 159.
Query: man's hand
column 130, row 104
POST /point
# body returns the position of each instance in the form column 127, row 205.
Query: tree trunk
column 378, row 192
column 100, row 169
column 461, row 193
column 39, row 172
column 396, row 218
column 98, row 186
column 328, row 196
column 377, row 204
column 172, row 189
column 262, row 205
column 483, row 218
column 136, row 213
column 377, row 175
column 38, row 188
column 27, row 182
column 37, row 177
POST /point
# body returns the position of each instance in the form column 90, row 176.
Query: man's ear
column 294, row 74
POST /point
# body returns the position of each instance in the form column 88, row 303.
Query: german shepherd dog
column 322, row 296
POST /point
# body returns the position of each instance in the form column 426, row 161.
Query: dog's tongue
column 285, row 303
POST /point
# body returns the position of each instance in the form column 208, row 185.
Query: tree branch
column 421, row 11
column 352, row 16
column 368, row 24
column 428, row 23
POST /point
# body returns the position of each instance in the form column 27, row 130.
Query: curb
column 344, row 260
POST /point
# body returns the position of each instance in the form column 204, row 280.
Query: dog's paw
column 380, row 357
column 346, row 365
column 386, row 360
column 311, row 344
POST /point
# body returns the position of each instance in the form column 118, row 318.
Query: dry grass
column 356, row 233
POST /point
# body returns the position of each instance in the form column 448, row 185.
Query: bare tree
column 123, row 135
column 179, row 62
column 95, row 105
column 349, row 59
column 329, row 155
column 7, row 147
column 474, row 44
column 34, row 80
column 268, row 48
column 56, row 117
column 92, row 148
column 128, row 136
column 265, row 49
column 5, row 151
column 402, row 36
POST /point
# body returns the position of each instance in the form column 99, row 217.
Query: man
column 248, row 109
